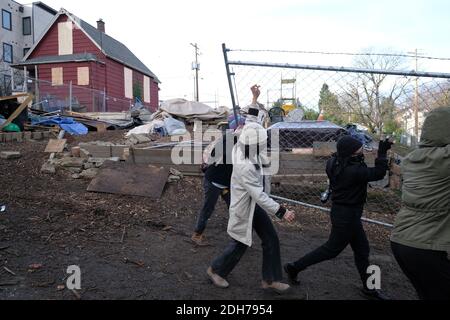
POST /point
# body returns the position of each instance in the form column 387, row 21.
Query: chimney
column 101, row 25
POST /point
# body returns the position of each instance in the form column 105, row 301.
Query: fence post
column 230, row 84
column 25, row 80
column 36, row 84
column 104, row 100
column 70, row 96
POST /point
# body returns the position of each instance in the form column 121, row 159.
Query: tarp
column 146, row 129
column 68, row 124
column 193, row 110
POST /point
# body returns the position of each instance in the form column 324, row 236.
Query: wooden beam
column 13, row 97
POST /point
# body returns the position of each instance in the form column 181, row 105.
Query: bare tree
column 366, row 95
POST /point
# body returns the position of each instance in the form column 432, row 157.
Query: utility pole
column 416, row 98
column 196, row 67
column 416, row 102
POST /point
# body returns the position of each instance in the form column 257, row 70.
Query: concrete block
column 9, row 155
column 27, row 135
column 37, row 135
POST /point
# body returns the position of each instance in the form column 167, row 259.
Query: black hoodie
column 349, row 178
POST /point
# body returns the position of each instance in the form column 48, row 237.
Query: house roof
column 45, row 7
column 81, row 57
column 111, row 47
column 116, row 50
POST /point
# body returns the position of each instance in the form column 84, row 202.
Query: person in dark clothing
column 216, row 183
column 348, row 175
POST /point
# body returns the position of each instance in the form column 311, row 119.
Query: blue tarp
column 68, row 124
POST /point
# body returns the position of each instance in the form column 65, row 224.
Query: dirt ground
column 134, row 248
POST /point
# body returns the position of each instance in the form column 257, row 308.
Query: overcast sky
column 160, row 33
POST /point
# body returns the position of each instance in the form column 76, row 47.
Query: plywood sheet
column 130, row 179
column 128, row 82
column 55, row 146
column 65, row 38
column 83, row 76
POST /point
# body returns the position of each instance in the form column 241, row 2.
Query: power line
column 344, row 54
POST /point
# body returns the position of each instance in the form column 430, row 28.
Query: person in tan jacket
column 249, row 210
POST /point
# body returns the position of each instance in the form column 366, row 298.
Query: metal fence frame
column 233, row 92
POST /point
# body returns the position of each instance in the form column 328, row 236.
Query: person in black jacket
column 216, row 183
column 348, row 175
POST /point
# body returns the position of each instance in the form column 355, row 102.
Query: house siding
column 107, row 74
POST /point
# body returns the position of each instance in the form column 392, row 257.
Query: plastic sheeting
column 174, row 127
column 148, row 128
column 193, row 110
column 68, row 124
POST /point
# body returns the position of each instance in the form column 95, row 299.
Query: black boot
column 374, row 295
column 292, row 273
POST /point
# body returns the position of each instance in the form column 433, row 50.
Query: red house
column 105, row 74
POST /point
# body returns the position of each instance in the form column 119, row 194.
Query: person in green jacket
column 421, row 236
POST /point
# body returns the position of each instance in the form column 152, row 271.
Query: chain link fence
column 51, row 97
column 376, row 101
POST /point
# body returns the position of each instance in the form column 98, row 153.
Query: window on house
column 146, row 89
column 7, row 85
column 6, row 20
column 83, row 76
column 57, row 76
column 25, row 51
column 128, row 83
column 7, row 53
column 26, row 23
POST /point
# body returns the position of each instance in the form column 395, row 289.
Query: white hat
column 252, row 134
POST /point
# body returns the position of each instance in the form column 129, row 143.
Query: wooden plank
column 98, row 151
column 13, row 97
column 60, row 137
column 313, row 165
column 130, row 179
column 162, row 156
column 290, row 179
column 324, row 149
column 55, row 146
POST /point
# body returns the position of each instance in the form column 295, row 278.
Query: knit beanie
column 347, row 146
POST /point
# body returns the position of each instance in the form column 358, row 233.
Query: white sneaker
column 276, row 287
column 217, row 280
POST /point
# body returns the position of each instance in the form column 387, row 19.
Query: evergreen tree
column 329, row 104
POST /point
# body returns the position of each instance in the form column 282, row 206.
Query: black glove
column 384, row 147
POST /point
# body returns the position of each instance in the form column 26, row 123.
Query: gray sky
column 160, row 33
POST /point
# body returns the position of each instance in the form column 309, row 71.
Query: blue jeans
column 212, row 194
column 271, row 267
